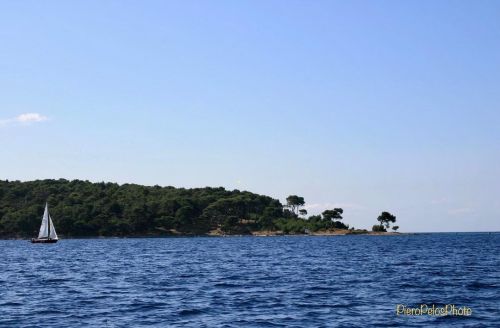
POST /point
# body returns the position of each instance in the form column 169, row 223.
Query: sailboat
column 47, row 232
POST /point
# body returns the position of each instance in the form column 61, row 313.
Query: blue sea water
column 339, row 281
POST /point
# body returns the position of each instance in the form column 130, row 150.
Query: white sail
column 44, row 233
column 44, row 228
column 53, row 234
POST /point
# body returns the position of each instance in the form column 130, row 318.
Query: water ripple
column 343, row 281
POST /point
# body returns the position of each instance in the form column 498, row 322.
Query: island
column 88, row 209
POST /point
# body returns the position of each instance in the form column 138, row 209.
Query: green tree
column 184, row 217
column 395, row 228
column 294, row 202
column 332, row 215
column 386, row 219
column 82, row 208
column 378, row 228
column 229, row 224
column 303, row 212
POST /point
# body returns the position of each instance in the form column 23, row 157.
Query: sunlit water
column 341, row 281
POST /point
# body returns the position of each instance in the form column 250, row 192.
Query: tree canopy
column 385, row 219
column 294, row 202
column 82, row 208
column 332, row 215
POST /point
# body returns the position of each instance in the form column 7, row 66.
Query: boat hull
column 43, row 241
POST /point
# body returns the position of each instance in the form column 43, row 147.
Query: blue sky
column 366, row 105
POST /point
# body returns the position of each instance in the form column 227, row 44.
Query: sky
column 366, row 105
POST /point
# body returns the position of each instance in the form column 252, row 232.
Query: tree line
column 83, row 208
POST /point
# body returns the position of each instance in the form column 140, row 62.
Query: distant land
column 86, row 209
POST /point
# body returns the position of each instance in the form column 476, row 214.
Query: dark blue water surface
column 339, row 281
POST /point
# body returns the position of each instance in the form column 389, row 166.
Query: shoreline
column 217, row 234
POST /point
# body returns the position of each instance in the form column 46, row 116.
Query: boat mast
column 48, row 221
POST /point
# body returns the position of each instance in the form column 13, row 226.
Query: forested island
column 87, row 209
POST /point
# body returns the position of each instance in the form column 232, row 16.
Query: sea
column 282, row 281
